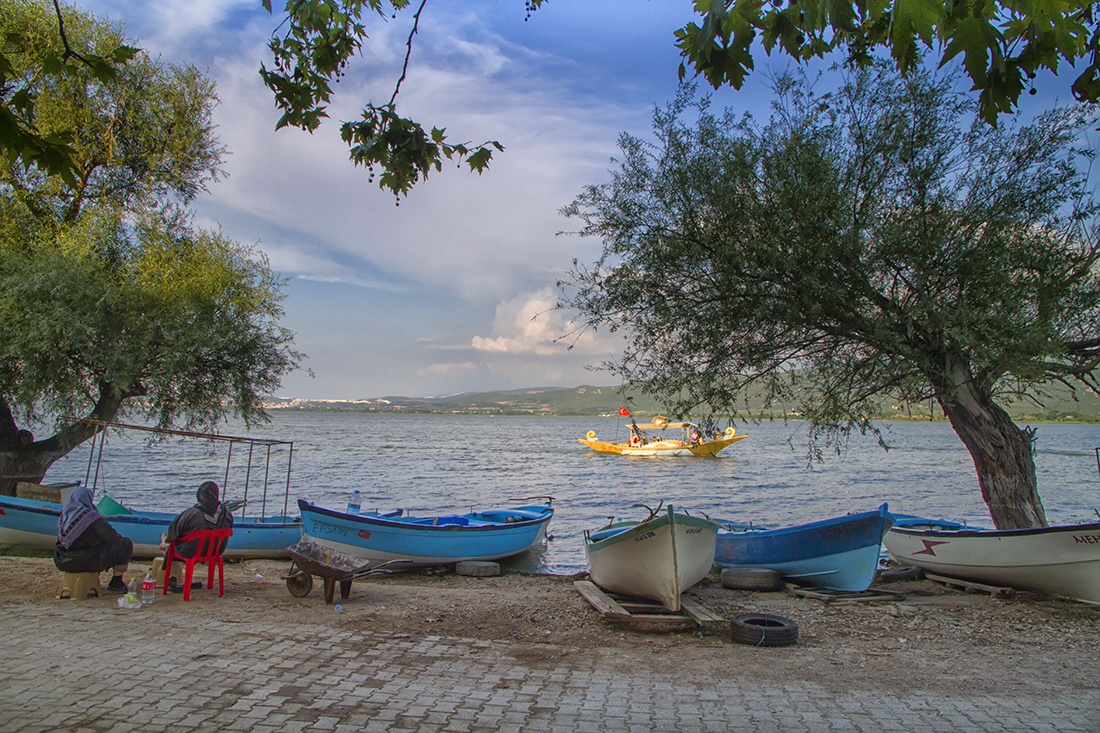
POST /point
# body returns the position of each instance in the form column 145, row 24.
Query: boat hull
column 657, row 559
column 664, row 448
column 840, row 553
column 1061, row 561
column 492, row 535
column 32, row 525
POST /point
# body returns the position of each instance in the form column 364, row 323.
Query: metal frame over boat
column 1061, row 561
column 658, row 558
column 32, row 523
column 440, row 540
column 841, row 553
column 690, row 442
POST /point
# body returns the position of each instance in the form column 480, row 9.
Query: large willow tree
column 110, row 299
column 865, row 244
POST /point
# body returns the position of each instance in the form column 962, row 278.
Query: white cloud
column 531, row 324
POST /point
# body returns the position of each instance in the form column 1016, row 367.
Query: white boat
column 1060, row 561
column 658, row 558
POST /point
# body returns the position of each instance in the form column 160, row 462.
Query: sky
column 455, row 289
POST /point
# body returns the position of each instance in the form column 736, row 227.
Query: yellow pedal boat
column 691, row 441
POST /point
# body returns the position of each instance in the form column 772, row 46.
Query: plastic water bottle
column 148, row 588
column 353, row 503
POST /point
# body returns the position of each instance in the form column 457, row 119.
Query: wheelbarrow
column 332, row 566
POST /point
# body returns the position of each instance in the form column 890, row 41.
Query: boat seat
column 78, row 585
column 452, row 521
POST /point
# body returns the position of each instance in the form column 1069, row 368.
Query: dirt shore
column 929, row 637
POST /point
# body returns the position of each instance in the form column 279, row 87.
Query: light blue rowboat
column 423, row 541
column 840, row 553
column 30, row 524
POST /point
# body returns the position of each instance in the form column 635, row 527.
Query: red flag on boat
column 624, row 412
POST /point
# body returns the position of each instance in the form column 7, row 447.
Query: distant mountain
column 1059, row 405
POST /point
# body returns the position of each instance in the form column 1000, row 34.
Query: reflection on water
column 449, row 464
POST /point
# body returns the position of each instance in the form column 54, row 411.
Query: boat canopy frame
column 265, row 444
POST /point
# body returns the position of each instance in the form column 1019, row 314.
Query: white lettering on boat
column 331, row 529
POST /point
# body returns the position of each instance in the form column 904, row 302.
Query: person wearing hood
column 87, row 543
column 207, row 513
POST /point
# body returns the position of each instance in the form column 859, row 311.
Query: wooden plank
column 994, row 590
column 700, row 614
column 603, row 603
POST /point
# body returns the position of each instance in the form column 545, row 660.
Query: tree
column 1003, row 44
column 865, row 243
column 110, row 299
column 21, row 140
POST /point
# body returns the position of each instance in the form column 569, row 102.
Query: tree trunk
column 22, row 458
column 1002, row 453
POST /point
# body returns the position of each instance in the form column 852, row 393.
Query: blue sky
column 453, row 290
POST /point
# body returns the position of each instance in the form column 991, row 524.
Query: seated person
column 87, row 543
column 207, row 513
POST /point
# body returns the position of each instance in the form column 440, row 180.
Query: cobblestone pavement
column 81, row 667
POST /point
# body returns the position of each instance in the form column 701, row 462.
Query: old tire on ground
column 762, row 579
column 299, row 584
column 477, row 568
column 763, row 629
column 897, row 575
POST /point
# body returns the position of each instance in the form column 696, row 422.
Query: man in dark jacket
column 207, row 513
column 87, row 543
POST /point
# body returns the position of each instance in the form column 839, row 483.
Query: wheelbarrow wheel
column 299, row 584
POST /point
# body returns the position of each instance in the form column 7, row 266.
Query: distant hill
column 590, row 401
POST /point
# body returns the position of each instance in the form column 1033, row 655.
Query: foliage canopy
column 1002, row 45
column 108, row 293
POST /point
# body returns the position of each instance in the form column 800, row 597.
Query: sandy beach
column 931, row 637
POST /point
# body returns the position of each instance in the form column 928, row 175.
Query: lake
column 453, row 463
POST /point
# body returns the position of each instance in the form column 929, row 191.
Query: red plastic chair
column 212, row 544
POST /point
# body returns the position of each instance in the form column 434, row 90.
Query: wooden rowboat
column 841, row 553
column 1061, row 561
column 32, row 525
column 423, row 541
column 658, row 558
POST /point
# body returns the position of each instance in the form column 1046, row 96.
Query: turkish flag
column 624, row 412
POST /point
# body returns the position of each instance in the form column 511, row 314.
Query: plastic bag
column 130, row 600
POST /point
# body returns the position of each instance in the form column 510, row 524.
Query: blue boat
column 30, row 524
column 423, row 541
column 840, row 553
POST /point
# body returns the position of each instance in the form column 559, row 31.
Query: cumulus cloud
column 531, row 324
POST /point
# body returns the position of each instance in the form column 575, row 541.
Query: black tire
column 299, row 584
column 897, row 575
column 763, row 629
column 762, row 579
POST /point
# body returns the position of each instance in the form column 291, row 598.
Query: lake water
column 446, row 464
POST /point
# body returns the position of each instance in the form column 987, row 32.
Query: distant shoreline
column 1086, row 420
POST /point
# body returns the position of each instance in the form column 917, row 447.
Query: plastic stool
column 78, row 585
column 158, row 572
